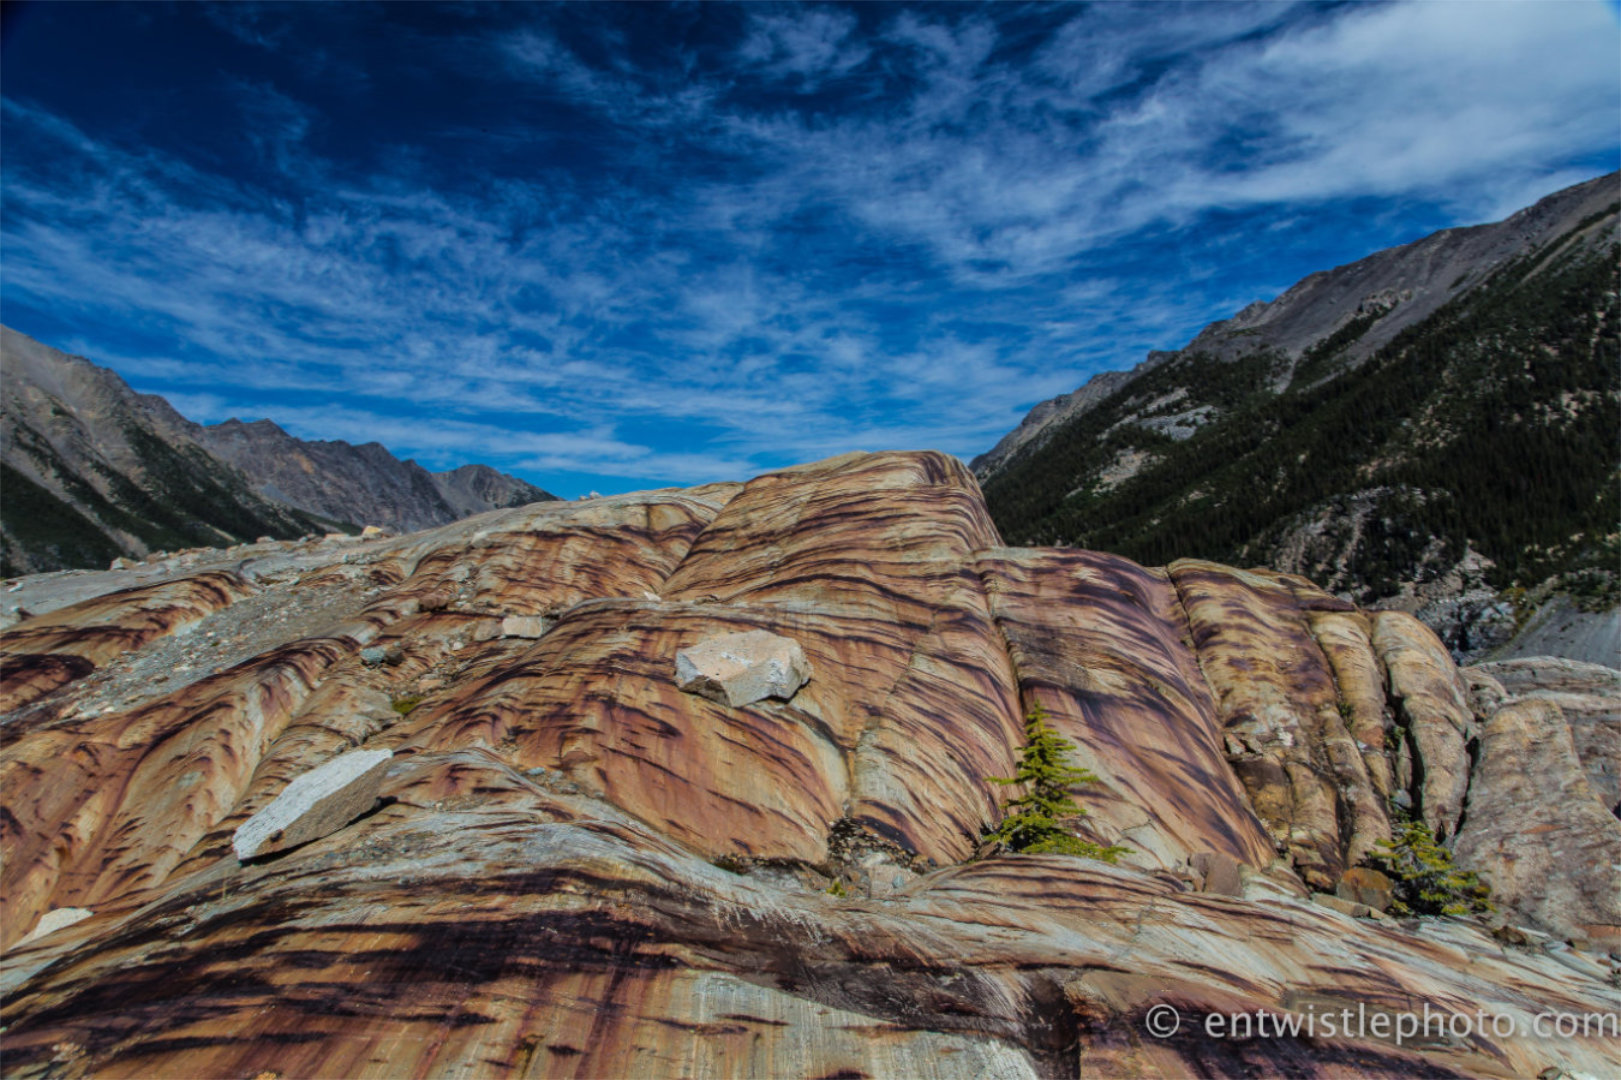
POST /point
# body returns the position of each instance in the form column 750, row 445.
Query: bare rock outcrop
column 1101, row 644
column 1280, row 709
column 1536, row 833
column 1588, row 696
column 578, row 869
column 1437, row 723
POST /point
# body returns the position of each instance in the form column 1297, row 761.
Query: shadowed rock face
column 576, row 869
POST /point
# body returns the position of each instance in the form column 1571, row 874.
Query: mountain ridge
column 94, row 470
column 1430, row 428
column 1295, row 319
column 334, row 477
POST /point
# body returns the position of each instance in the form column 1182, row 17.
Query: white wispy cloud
column 808, row 45
column 912, row 259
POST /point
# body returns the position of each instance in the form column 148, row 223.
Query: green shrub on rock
column 1034, row 824
column 1426, row 881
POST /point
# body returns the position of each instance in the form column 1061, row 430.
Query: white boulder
column 739, row 669
column 58, row 919
column 523, row 626
column 320, row 802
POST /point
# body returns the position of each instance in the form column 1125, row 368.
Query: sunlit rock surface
column 575, row 869
column 1589, row 697
column 316, row 804
column 1548, row 846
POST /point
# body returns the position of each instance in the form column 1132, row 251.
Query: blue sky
column 614, row 247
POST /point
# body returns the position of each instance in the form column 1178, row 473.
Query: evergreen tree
column 1426, row 881
column 1034, row 822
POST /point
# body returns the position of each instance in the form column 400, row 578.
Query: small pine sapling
column 1034, row 821
column 1426, row 881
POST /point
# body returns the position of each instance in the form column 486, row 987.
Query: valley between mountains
column 1341, row 571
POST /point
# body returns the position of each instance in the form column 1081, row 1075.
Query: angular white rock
column 320, row 802
column 524, row 626
column 58, row 919
column 739, row 669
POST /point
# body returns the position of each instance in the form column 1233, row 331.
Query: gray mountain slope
column 1374, row 298
column 93, row 470
column 366, row 483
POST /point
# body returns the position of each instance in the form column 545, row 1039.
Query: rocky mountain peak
column 1430, row 428
column 1387, row 291
column 333, row 478
column 96, row 471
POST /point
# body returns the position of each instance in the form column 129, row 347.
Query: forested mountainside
column 1478, row 443
column 93, row 471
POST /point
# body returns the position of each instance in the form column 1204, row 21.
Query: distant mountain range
column 1432, row 427
column 93, row 470
column 360, row 483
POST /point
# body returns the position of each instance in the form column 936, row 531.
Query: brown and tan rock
column 1280, row 713
column 1346, row 638
column 1430, row 698
column 1535, row 832
column 1589, row 697
column 866, row 561
column 572, row 941
column 103, row 627
column 27, row 677
column 1363, row 885
column 577, row 869
column 1222, row 874
column 1100, row 644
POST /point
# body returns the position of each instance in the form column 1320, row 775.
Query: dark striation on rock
column 576, row 869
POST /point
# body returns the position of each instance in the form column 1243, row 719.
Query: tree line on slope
column 1491, row 425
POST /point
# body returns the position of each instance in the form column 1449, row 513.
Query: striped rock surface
column 578, row 870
